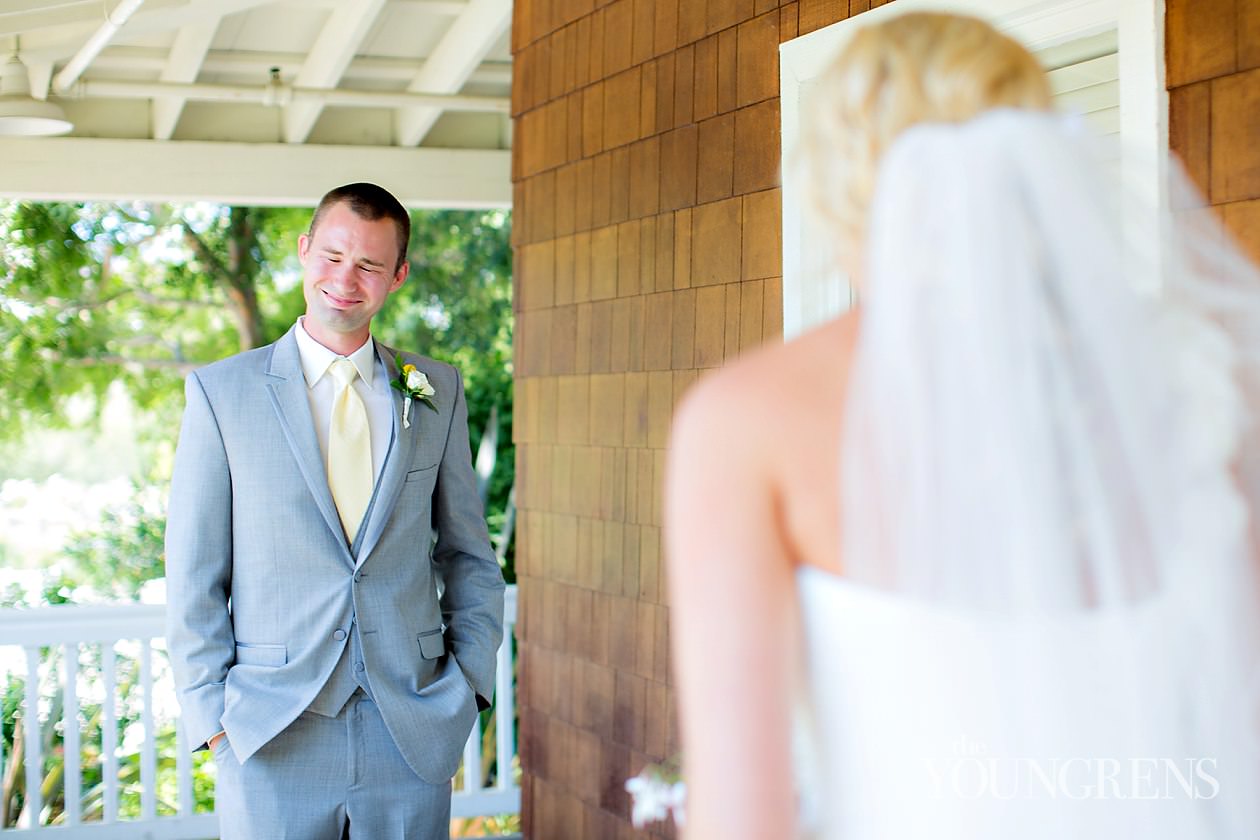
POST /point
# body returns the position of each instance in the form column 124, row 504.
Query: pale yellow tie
column 349, row 449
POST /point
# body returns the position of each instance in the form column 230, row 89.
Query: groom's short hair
column 371, row 202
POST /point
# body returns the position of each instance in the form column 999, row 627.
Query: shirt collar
column 316, row 357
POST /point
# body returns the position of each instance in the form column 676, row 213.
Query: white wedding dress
column 1046, row 627
column 922, row 722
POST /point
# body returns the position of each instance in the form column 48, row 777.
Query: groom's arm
column 472, row 600
column 199, row 568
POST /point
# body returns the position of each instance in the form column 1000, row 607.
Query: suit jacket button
column 339, row 635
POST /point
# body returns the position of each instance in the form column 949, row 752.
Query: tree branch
column 62, row 305
column 159, row 300
column 142, row 295
column 204, row 253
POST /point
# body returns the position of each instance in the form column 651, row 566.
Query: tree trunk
column 242, row 279
column 238, row 276
column 245, row 312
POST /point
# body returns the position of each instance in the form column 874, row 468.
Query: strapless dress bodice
column 918, row 720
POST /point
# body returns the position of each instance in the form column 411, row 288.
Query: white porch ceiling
column 267, row 101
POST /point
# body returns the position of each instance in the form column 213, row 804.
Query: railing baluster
column 34, row 803
column 109, row 732
column 70, row 726
column 183, row 769
column 4, row 800
column 148, row 749
column 504, row 712
column 472, row 758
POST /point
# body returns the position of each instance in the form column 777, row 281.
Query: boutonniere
column 414, row 386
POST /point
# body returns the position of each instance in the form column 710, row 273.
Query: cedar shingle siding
column 1213, row 53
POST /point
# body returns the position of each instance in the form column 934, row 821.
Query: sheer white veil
column 1052, row 416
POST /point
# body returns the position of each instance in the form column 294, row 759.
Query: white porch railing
column 90, row 669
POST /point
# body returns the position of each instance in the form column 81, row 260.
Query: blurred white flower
column 655, row 798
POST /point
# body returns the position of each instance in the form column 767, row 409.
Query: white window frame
column 1139, row 25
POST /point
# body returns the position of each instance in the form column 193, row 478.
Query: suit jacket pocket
column 248, row 653
column 432, row 645
column 422, row 473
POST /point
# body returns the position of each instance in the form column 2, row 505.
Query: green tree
column 91, row 294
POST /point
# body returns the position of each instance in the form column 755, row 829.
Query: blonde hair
column 917, row 67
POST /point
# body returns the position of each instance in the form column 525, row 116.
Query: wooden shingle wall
column 646, row 232
column 1213, row 52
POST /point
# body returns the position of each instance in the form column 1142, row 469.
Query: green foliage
column 125, row 549
column 91, row 294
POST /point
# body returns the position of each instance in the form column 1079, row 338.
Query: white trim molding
column 269, row 174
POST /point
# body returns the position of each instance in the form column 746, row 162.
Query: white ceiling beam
column 68, row 19
column 266, row 95
column 457, row 55
column 269, row 174
column 257, row 64
column 114, row 21
column 192, row 42
column 327, row 61
column 18, row 7
column 52, row 31
column 437, row 7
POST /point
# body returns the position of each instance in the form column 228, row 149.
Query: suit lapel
column 397, row 461
column 287, row 388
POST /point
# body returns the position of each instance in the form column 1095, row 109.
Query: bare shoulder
column 753, row 397
column 752, row 455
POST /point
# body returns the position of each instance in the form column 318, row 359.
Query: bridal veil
column 1052, row 441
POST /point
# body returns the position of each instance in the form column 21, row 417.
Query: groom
column 334, row 605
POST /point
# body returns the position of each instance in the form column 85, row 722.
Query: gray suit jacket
column 262, row 587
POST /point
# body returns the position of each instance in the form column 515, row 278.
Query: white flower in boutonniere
column 414, row 386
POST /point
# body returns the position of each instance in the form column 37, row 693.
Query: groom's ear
column 304, row 247
column 399, row 276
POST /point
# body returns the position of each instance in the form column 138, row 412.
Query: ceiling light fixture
column 22, row 115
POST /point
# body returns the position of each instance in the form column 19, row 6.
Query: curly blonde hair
column 913, row 68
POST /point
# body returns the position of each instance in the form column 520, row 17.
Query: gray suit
column 268, row 605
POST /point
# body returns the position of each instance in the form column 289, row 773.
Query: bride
column 983, row 543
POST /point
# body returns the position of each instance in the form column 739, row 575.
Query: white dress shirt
column 372, row 386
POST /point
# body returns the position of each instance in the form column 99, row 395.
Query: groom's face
column 348, row 270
